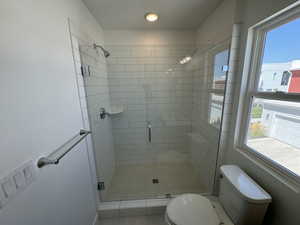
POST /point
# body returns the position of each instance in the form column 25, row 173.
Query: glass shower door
column 164, row 143
column 168, row 104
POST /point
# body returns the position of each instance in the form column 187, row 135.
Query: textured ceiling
column 129, row 14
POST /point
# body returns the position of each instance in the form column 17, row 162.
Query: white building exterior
column 272, row 76
column 280, row 119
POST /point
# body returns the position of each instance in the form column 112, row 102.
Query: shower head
column 105, row 52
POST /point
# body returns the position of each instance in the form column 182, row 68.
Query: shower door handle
column 149, row 126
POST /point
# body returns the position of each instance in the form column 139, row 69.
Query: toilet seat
column 191, row 209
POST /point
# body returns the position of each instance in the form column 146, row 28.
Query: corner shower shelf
column 115, row 110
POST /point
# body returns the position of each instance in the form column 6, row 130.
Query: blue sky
column 283, row 43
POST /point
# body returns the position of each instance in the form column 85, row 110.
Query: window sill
column 275, row 172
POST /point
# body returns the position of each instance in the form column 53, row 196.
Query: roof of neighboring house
column 295, row 65
column 276, row 66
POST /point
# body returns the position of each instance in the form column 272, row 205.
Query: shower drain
column 155, row 181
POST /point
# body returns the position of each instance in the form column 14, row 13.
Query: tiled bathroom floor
column 136, row 181
column 134, row 220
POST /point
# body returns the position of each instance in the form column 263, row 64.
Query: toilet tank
column 242, row 198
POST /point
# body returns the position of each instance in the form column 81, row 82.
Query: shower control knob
column 103, row 113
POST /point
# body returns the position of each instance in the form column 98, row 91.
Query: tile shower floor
column 142, row 181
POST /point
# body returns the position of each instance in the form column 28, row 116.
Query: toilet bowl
column 192, row 209
column 241, row 200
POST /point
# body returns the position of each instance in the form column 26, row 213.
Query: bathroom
column 115, row 111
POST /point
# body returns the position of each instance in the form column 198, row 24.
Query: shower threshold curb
column 134, row 207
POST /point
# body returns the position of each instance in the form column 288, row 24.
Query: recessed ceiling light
column 151, row 17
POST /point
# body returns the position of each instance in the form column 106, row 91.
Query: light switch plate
column 16, row 181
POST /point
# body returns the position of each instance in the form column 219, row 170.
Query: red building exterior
column 294, row 86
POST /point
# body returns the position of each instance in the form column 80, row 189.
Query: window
column 281, row 59
column 272, row 104
column 285, row 78
column 220, row 68
column 219, row 74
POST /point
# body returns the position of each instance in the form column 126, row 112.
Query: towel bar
column 59, row 153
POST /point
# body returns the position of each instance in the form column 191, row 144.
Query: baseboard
column 95, row 222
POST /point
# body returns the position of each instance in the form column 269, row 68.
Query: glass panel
column 215, row 110
column 274, row 131
column 280, row 70
column 157, row 95
column 207, row 105
column 220, row 68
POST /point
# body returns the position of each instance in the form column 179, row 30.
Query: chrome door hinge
column 101, row 186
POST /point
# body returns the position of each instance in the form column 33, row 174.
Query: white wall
column 218, row 25
column 40, row 110
column 285, row 206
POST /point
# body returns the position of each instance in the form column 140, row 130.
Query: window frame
column 251, row 73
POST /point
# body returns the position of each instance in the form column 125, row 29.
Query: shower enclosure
column 166, row 140
column 160, row 134
column 151, row 135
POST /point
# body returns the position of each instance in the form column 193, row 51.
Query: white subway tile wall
column 153, row 87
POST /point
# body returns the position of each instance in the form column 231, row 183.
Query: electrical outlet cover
column 14, row 183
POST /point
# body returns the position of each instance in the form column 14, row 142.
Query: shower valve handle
column 149, row 126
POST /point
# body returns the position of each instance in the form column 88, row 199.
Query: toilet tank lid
column 244, row 184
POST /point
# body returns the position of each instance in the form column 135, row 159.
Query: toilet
column 241, row 201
